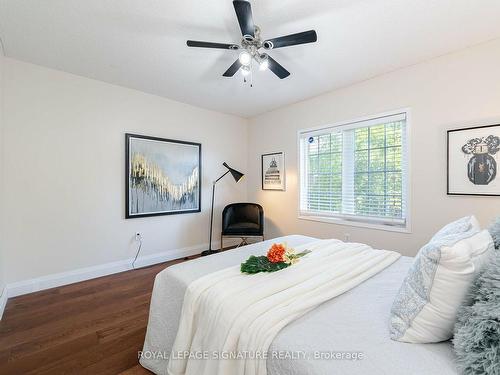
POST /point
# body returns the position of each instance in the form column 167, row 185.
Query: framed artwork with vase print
column 273, row 171
column 473, row 161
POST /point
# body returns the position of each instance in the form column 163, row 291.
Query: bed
column 354, row 322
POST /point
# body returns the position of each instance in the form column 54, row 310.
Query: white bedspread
column 229, row 312
column 356, row 321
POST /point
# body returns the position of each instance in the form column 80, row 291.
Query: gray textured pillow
column 477, row 331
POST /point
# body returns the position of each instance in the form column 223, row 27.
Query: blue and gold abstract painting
column 163, row 176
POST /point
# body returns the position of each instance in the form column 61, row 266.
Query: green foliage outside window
column 377, row 184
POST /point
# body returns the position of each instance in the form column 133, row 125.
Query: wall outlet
column 347, row 237
column 138, row 236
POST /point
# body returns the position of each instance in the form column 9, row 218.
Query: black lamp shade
column 236, row 174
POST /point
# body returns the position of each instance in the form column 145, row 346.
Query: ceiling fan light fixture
column 245, row 58
column 252, row 43
column 245, row 70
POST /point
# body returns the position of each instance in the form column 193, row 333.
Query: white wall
column 63, row 157
column 64, row 170
column 456, row 90
column 2, row 263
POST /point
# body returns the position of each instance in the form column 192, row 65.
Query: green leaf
column 261, row 264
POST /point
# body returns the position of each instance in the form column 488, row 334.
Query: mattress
column 346, row 335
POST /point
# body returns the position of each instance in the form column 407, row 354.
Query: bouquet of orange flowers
column 278, row 257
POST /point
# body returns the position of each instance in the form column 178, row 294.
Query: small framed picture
column 473, row 161
column 273, row 171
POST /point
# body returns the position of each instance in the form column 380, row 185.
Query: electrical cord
column 137, row 254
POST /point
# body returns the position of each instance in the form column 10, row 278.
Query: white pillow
column 425, row 308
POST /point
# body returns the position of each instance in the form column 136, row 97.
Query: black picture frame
column 448, row 132
column 128, row 138
column 282, row 173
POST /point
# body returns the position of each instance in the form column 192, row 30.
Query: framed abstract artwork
column 162, row 176
column 473, row 161
column 273, row 171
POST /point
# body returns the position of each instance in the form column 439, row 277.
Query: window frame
column 365, row 223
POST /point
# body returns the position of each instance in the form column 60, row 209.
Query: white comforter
column 227, row 313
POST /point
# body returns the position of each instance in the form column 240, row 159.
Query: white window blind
column 356, row 171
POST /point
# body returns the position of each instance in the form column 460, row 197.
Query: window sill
column 338, row 221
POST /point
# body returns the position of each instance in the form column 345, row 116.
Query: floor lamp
column 237, row 177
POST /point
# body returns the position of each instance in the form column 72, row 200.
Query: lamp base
column 209, row 252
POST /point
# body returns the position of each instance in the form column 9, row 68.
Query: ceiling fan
column 251, row 43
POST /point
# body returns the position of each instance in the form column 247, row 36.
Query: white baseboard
column 82, row 274
column 3, row 301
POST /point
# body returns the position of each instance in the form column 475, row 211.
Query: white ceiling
column 141, row 43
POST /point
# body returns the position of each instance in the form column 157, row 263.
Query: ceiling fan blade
column 232, row 69
column 243, row 11
column 291, row 40
column 196, row 43
column 276, row 68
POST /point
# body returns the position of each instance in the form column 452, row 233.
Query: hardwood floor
column 91, row 327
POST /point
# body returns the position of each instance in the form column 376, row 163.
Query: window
column 356, row 172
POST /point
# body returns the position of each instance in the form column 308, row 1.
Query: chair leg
column 221, row 242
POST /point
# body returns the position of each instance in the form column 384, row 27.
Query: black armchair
column 242, row 220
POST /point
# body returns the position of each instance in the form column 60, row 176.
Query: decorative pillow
column 494, row 230
column 477, row 332
column 462, row 225
column 425, row 308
